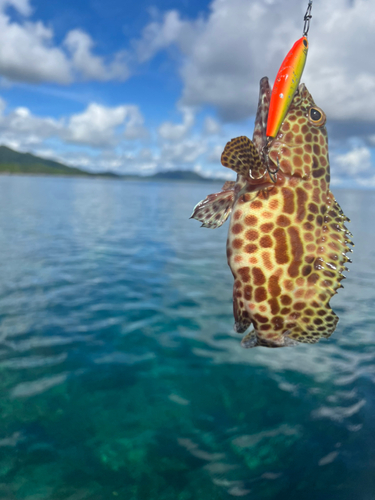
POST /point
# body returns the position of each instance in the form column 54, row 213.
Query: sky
column 146, row 86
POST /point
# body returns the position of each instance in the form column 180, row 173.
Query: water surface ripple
column 121, row 376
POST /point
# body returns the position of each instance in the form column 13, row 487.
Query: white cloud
column 93, row 67
column 226, row 54
column 225, row 174
column 20, row 128
column 366, row 183
column 140, row 161
column 28, row 52
column 356, row 161
column 97, row 126
column 179, row 155
column 23, row 6
column 211, row 126
column 159, row 35
column 134, row 128
column 3, row 106
column 111, row 133
column 215, row 154
column 172, row 132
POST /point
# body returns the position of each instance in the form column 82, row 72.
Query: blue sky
column 139, row 87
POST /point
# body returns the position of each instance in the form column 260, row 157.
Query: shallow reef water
column 121, row 376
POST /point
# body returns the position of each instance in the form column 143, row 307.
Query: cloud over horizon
column 218, row 57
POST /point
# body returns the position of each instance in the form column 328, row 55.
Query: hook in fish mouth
column 271, row 173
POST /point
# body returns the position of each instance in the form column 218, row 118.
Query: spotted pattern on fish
column 287, row 242
column 286, row 264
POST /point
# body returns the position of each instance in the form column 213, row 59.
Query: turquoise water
column 121, row 376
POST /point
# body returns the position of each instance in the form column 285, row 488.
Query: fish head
column 300, row 148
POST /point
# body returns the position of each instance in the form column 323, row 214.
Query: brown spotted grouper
column 287, row 241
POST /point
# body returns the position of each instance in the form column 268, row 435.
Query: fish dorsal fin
column 333, row 244
column 337, row 241
column 259, row 135
column 241, row 155
column 214, row 210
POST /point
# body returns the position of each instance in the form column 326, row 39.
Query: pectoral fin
column 241, row 155
column 214, row 210
column 228, row 185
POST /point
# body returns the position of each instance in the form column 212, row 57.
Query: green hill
column 13, row 162
column 178, row 175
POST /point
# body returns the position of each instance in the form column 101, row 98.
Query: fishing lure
column 285, row 86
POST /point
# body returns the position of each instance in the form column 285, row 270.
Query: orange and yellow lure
column 286, row 83
column 285, row 86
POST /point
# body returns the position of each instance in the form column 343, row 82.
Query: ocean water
column 121, row 376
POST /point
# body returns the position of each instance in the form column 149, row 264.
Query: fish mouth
column 260, row 139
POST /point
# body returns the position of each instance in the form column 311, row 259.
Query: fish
column 287, row 242
column 286, row 83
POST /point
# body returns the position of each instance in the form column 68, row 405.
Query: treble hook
column 271, row 173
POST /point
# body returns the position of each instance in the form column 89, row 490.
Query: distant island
column 14, row 162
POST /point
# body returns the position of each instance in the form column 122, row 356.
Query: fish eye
column 317, row 116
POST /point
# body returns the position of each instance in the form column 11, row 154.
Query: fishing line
column 307, row 18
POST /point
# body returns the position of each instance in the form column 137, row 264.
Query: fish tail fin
column 257, row 339
column 318, row 327
column 241, row 155
column 306, row 330
column 214, row 210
